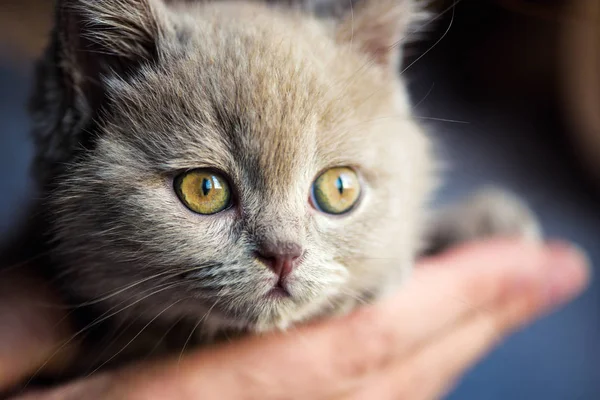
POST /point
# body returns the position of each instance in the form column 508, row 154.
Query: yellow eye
column 336, row 190
column 202, row 191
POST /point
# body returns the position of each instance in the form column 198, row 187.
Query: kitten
column 232, row 167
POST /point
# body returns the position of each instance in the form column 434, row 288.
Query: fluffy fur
column 133, row 92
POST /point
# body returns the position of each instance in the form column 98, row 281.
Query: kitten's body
column 132, row 92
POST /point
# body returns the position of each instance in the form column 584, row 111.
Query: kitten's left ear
column 380, row 27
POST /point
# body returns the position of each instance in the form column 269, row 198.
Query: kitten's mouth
column 279, row 291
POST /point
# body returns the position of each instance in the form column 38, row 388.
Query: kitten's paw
column 489, row 212
column 495, row 212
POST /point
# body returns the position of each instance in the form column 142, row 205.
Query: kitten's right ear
column 102, row 37
column 92, row 39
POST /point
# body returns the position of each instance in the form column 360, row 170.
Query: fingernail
column 569, row 272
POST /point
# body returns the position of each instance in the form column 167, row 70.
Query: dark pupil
column 339, row 184
column 206, row 186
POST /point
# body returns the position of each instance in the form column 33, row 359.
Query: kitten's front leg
column 489, row 212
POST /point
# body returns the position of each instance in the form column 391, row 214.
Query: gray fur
column 132, row 92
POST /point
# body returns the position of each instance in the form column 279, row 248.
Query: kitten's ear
column 380, row 27
column 102, row 37
column 92, row 39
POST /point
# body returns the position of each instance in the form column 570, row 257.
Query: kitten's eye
column 203, row 191
column 336, row 190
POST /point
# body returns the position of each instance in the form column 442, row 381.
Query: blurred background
column 510, row 89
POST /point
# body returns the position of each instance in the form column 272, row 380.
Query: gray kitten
column 233, row 167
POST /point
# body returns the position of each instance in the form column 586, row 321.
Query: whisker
column 162, row 338
column 351, row 22
column 432, row 20
column 91, row 325
column 117, row 333
column 9, row 268
column 454, row 121
column 424, row 97
column 123, row 289
column 453, row 7
column 355, row 295
column 135, row 337
column 372, row 60
column 116, row 292
column 194, row 330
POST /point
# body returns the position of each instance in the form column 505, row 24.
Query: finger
column 488, row 328
column 434, row 367
column 448, row 288
column 32, row 328
column 96, row 388
column 337, row 354
column 427, row 374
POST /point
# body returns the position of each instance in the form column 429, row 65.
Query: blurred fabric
column 489, row 94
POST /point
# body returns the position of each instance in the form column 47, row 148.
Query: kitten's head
column 249, row 165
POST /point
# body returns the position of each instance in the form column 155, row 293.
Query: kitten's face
column 268, row 101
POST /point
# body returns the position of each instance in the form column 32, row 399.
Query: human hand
column 32, row 326
column 415, row 345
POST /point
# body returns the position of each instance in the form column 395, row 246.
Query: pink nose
column 281, row 258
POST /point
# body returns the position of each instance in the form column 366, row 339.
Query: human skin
column 413, row 345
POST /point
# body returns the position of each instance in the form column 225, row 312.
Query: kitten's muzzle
column 281, row 258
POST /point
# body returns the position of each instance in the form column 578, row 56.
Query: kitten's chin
column 274, row 320
column 222, row 323
column 279, row 313
column 273, row 306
